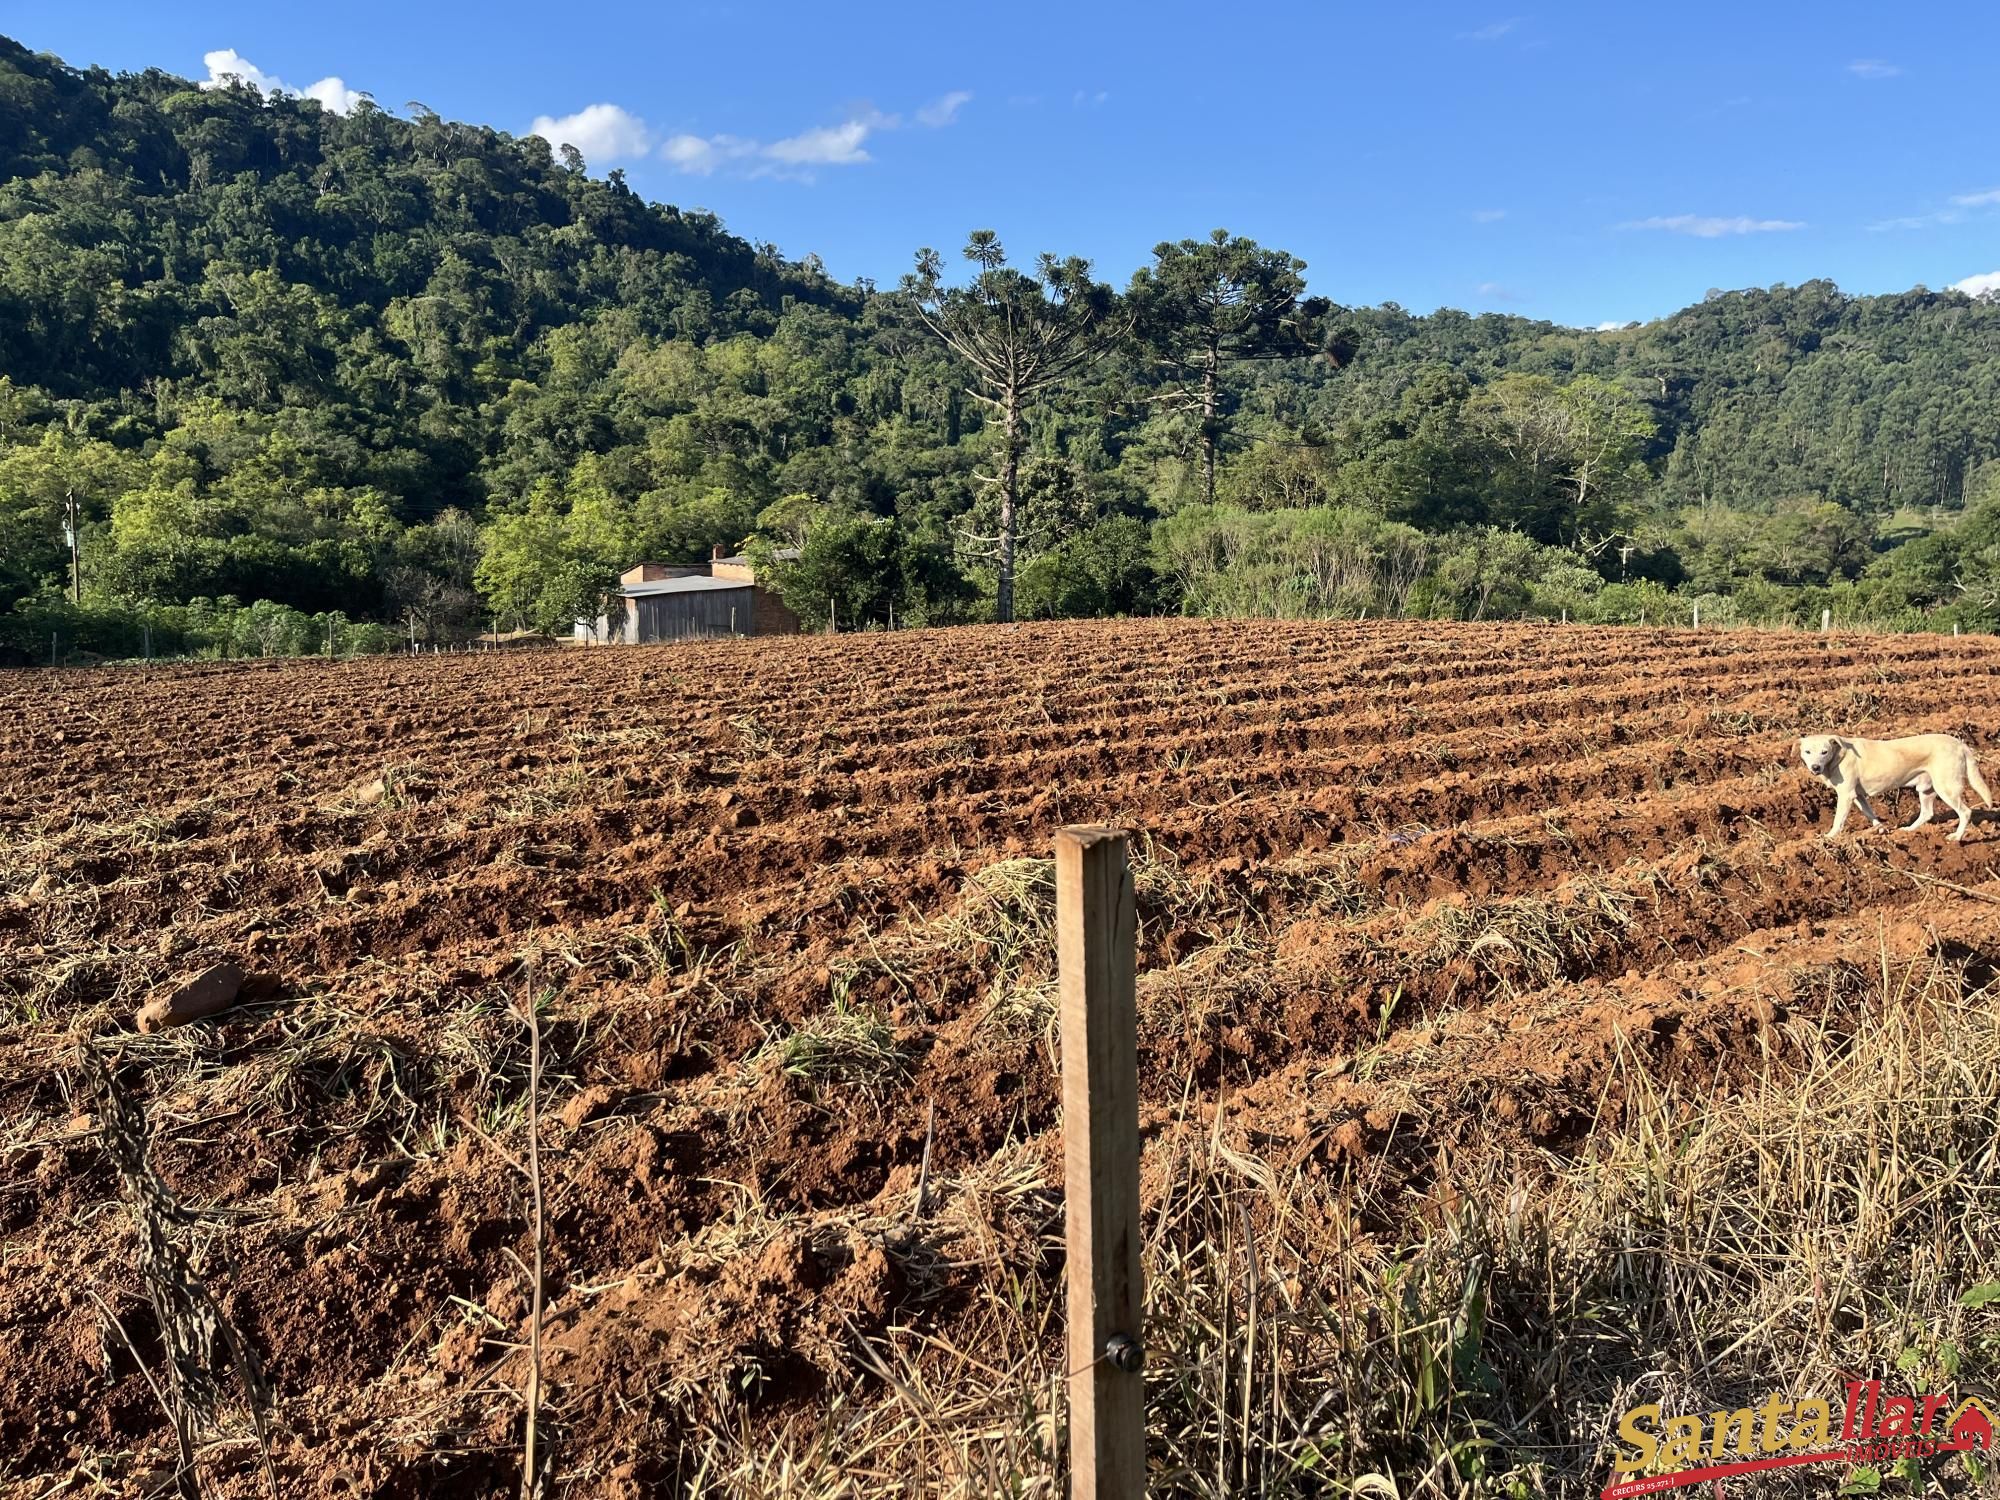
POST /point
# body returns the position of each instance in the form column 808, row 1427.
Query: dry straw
column 199, row 1340
column 1315, row 1335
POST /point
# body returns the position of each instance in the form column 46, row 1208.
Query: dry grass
column 1525, row 942
column 1326, row 885
column 1004, row 922
column 1832, row 1216
column 199, row 1342
column 844, row 1043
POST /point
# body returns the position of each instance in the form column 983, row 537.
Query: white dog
column 1938, row 766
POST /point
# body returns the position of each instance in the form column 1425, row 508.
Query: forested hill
column 165, row 243
column 1876, row 402
column 404, row 370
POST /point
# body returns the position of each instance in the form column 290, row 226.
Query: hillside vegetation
column 301, row 378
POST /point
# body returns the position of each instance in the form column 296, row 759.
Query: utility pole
column 73, row 534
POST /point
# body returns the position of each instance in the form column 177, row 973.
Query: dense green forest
column 293, row 379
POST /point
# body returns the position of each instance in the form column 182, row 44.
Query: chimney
column 719, row 553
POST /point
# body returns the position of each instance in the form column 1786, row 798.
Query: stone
column 213, row 990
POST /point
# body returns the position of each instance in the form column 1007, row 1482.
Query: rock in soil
column 213, row 989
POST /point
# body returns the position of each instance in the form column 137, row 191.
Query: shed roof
column 699, row 583
column 778, row 554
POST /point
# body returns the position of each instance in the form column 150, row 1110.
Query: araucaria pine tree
column 1205, row 304
column 1019, row 335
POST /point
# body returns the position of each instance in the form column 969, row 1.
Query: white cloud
column 701, row 155
column 602, row 132
column 795, row 157
column 1917, row 221
column 1873, row 67
column 1954, row 215
column 335, row 95
column 1084, row 98
column 227, row 63
column 1978, row 286
column 1492, row 32
column 1495, row 291
column 1488, row 215
column 826, row 146
column 1707, row 227
column 1609, row 325
column 943, row 110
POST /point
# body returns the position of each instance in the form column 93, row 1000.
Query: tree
column 1488, row 562
column 1020, row 335
column 1204, row 304
column 790, row 518
column 864, row 567
column 52, row 494
column 1573, row 453
column 253, row 347
column 1425, row 463
column 1106, row 570
column 1717, row 546
column 1919, row 575
column 551, row 562
column 1809, row 541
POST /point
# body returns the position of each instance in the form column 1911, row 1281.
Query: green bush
column 1566, row 588
column 1718, row 610
column 865, row 567
column 1105, row 570
column 1640, row 602
column 49, row 627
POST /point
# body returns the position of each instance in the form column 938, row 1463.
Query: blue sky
column 1577, row 162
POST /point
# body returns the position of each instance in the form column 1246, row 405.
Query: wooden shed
column 679, row 609
column 690, row 601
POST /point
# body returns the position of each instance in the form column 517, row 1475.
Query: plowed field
column 1406, row 891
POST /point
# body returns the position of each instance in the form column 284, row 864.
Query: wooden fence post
column 1097, row 952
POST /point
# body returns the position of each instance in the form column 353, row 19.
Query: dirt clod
column 192, row 998
column 592, row 1103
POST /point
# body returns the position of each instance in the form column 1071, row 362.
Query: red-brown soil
column 1485, row 858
